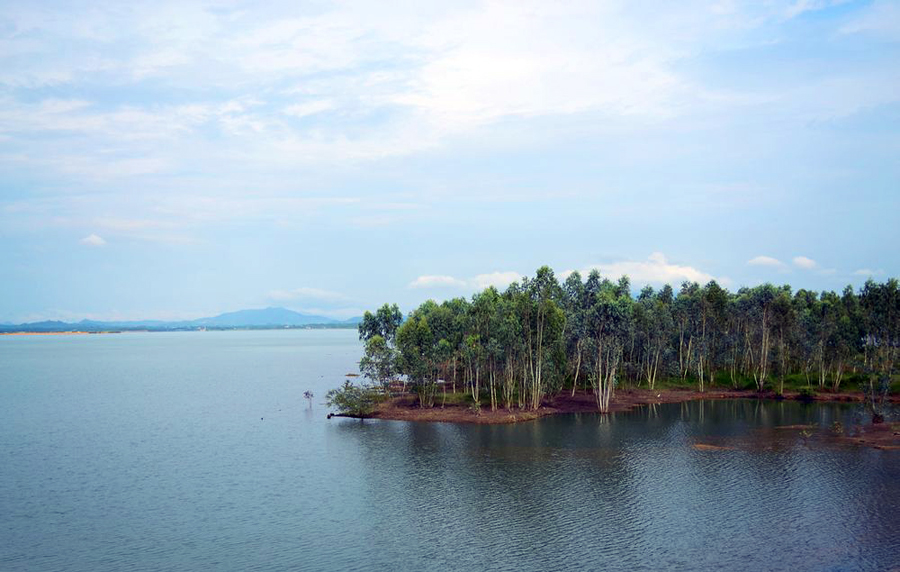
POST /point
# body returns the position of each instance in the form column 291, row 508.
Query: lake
column 197, row 450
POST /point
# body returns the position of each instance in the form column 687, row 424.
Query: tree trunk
column 577, row 367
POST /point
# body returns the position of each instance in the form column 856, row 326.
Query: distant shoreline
column 52, row 333
column 253, row 319
column 12, row 332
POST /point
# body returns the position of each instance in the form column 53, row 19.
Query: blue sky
column 174, row 160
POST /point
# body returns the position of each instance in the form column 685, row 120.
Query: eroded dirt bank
column 407, row 409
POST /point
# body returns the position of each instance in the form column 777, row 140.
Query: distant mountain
column 45, row 326
column 264, row 317
column 259, row 318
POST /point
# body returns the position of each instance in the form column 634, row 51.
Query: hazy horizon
column 197, row 318
column 180, row 160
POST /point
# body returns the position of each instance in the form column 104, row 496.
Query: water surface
column 197, row 451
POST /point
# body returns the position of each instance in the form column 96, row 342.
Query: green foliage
column 807, row 395
column 379, row 361
column 384, row 323
column 351, row 399
column 511, row 348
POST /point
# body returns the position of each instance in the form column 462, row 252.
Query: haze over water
column 198, row 451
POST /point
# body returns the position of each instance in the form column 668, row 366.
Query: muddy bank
column 406, row 408
column 884, row 436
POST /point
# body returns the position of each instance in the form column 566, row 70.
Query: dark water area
column 193, row 451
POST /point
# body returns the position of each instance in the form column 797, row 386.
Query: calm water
column 190, row 451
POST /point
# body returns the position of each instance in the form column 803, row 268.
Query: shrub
column 351, row 399
column 806, row 395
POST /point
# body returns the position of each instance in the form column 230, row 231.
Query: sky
column 173, row 160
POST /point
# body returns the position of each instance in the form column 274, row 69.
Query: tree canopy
column 512, row 348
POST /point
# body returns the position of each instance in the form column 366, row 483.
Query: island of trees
column 541, row 337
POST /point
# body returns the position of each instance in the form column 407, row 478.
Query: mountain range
column 257, row 318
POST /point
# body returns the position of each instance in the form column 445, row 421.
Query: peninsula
column 589, row 345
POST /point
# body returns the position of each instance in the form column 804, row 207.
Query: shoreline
column 884, row 436
column 52, row 333
column 164, row 331
column 406, row 408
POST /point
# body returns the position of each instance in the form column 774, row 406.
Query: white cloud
column 656, row 269
column 496, row 279
column 309, row 108
column 544, row 59
column 336, row 313
column 480, row 282
column 766, row 261
column 151, row 63
column 93, row 240
column 804, row 262
column 801, row 6
column 880, row 18
column 305, row 293
column 437, row 281
column 868, row 272
column 402, row 78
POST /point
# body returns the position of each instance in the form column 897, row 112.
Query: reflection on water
column 185, row 451
column 629, row 491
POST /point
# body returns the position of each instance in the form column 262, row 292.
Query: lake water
column 192, row 451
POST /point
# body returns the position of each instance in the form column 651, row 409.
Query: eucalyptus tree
column 384, row 322
column 546, row 320
column 880, row 305
column 757, row 307
column 575, row 305
column 511, row 337
column 734, row 339
column 665, row 325
column 806, row 310
column 652, row 318
column 417, row 352
column 880, row 309
column 518, row 346
column 784, row 320
column 643, row 329
column 378, row 331
column 608, row 326
column 472, row 355
column 486, row 354
column 630, row 368
column 844, row 335
column 711, row 308
column 826, row 313
column 442, row 323
column 379, row 362
column 686, row 313
column 459, row 312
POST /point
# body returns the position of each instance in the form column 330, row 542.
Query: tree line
column 539, row 337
